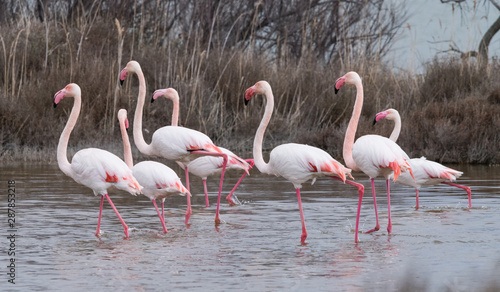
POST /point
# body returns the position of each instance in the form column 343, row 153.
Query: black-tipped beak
column 246, row 101
column 121, row 82
column 374, row 121
column 336, row 90
column 55, row 105
column 152, row 99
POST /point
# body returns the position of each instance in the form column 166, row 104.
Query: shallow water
column 443, row 245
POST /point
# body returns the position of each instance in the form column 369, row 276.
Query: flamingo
column 297, row 163
column 172, row 142
column 206, row 166
column 427, row 173
column 372, row 154
column 94, row 168
column 159, row 181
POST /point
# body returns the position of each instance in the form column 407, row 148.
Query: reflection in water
column 257, row 248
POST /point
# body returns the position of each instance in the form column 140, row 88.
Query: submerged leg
column 361, row 190
column 389, row 225
column 99, row 220
column 467, row 189
column 224, row 164
column 207, row 204
column 125, row 227
column 304, row 231
column 188, row 210
column 416, row 195
column 228, row 198
column 159, row 215
column 377, row 226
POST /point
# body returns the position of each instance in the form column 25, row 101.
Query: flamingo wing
column 376, row 155
column 298, row 163
column 100, row 169
column 158, row 179
column 175, row 143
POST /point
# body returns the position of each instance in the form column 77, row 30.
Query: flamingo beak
column 123, row 75
column 158, row 93
column 249, row 93
column 126, row 124
column 59, row 96
column 380, row 116
column 339, row 83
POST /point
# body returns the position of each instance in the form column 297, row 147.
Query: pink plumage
column 297, row 163
column 372, row 154
column 95, row 168
column 158, row 180
column 425, row 172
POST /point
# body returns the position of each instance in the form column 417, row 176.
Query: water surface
column 441, row 246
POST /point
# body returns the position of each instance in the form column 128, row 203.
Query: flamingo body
column 159, row 181
column 299, row 163
column 99, row 170
column 206, row 166
column 378, row 156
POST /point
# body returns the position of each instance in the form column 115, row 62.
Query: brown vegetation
column 450, row 113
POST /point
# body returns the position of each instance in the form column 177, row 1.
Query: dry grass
column 450, row 113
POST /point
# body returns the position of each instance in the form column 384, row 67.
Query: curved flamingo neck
column 352, row 127
column 140, row 143
column 175, row 111
column 261, row 165
column 127, row 150
column 397, row 128
column 62, row 147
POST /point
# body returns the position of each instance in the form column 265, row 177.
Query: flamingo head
column 389, row 114
column 349, row 78
column 71, row 89
column 169, row 93
column 260, row 87
column 122, row 117
column 132, row 67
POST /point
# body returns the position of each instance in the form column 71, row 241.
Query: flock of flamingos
column 196, row 153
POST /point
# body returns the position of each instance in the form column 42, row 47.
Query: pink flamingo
column 159, row 181
column 92, row 167
column 426, row 173
column 297, row 163
column 206, row 166
column 372, row 154
column 172, row 142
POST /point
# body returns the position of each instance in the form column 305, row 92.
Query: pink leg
column 377, row 227
column 224, row 156
column 228, row 198
column 207, row 204
column 188, row 210
column 467, row 189
column 416, row 195
column 304, row 231
column 159, row 215
column 125, row 227
column 162, row 208
column 361, row 189
column 389, row 225
column 99, row 220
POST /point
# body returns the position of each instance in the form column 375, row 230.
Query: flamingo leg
column 188, row 210
column 304, row 231
column 377, row 227
column 228, row 198
column 361, row 189
column 389, row 224
column 224, row 164
column 467, row 189
column 99, row 220
column 159, row 215
column 125, row 227
column 207, row 204
column 416, row 195
column 162, row 208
